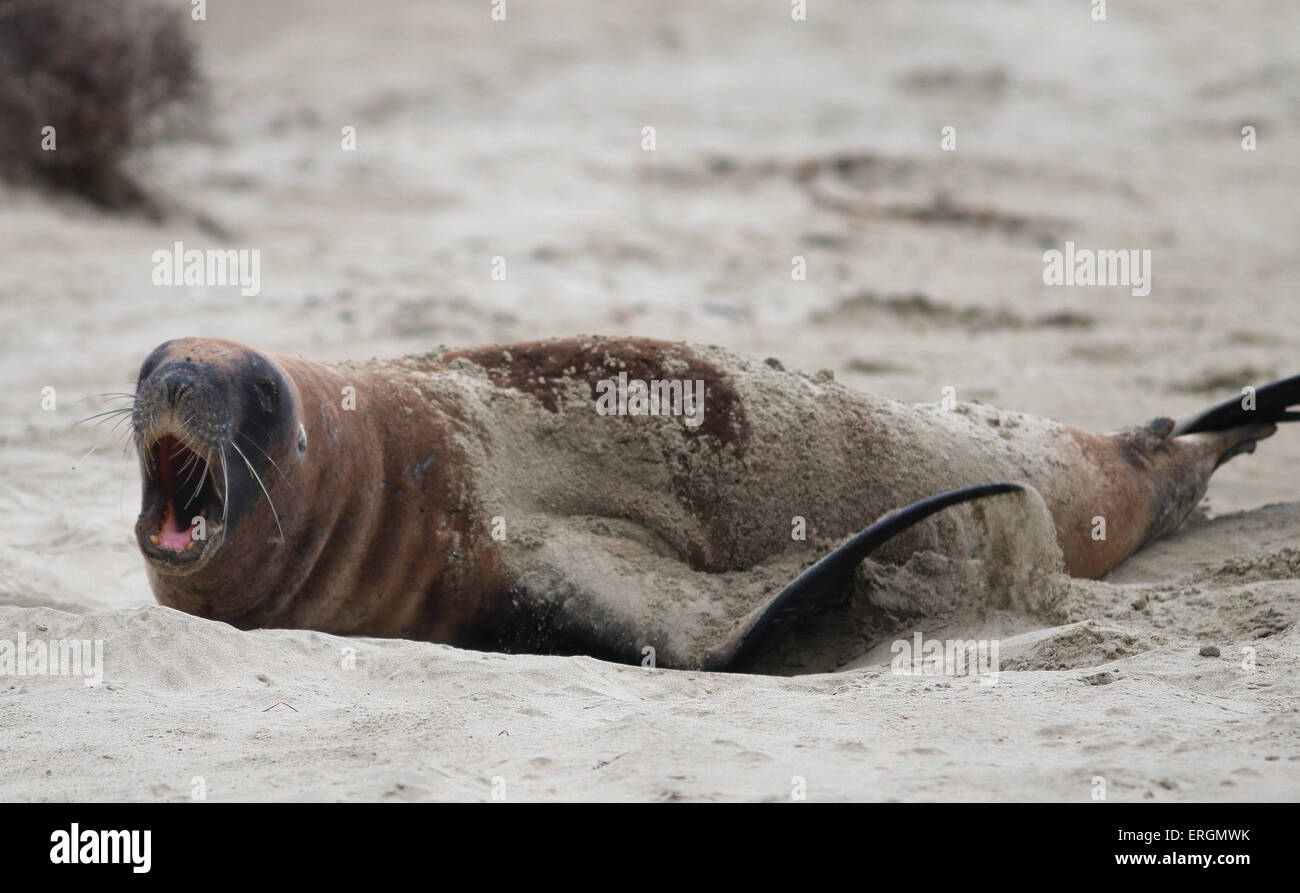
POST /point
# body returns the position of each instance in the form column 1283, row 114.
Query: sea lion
column 573, row 496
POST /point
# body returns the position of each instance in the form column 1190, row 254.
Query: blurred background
column 778, row 144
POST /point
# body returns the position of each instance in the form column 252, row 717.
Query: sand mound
column 275, row 714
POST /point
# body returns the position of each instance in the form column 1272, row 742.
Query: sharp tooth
column 153, row 538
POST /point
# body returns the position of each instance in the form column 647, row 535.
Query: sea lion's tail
column 1267, row 404
column 825, row 579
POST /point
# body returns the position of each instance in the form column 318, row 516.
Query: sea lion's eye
column 266, row 395
column 302, row 439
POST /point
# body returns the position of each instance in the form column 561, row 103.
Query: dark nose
column 176, row 382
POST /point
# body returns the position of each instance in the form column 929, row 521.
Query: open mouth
column 183, row 504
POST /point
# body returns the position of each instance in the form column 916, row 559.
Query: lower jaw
column 190, row 547
column 177, row 563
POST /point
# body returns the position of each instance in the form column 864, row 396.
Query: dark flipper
column 1271, row 405
column 825, row 580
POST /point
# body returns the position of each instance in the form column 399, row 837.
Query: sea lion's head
column 214, row 422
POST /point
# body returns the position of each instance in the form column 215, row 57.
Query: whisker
column 264, row 453
column 225, row 473
column 110, row 395
column 108, row 412
column 146, row 451
column 191, row 464
column 121, row 487
column 92, row 449
column 112, row 433
column 124, row 418
column 258, row 478
column 202, row 478
column 194, row 455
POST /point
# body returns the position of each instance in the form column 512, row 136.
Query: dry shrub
column 110, row 76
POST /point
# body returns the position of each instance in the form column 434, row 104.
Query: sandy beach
column 776, row 141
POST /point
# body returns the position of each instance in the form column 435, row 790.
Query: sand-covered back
column 1175, row 677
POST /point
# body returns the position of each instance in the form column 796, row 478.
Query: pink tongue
column 174, row 538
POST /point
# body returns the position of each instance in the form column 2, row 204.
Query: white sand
column 522, row 140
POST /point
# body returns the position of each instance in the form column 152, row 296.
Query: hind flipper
column 825, row 579
column 1272, row 404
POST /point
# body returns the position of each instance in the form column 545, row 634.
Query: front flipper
column 609, row 588
column 825, row 579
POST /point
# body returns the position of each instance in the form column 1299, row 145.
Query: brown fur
column 388, row 515
column 381, row 507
